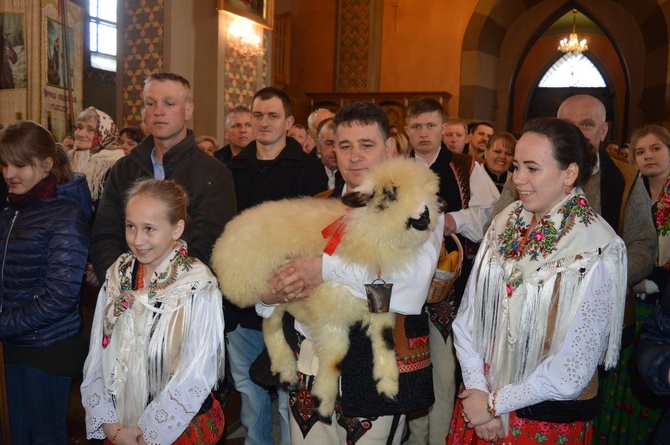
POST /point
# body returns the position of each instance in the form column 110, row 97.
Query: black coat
column 291, row 174
column 207, row 181
column 224, row 155
column 653, row 354
column 654, row 349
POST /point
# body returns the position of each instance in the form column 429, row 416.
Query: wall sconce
column 244, row 39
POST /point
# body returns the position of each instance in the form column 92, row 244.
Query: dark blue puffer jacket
column 653, row 351
column 44, row 247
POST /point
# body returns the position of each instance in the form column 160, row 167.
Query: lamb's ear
column 356, row 199
column 442, row 205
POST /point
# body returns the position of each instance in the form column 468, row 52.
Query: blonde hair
column 508, row 141
column 402, row 144
column 204, row 137
column 169, row 193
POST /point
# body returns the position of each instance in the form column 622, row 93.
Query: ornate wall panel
column 142, row 52
column 353, row 46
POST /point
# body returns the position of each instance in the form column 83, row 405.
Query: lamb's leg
column 282, row 358
column 332, row 344
column 385, row 366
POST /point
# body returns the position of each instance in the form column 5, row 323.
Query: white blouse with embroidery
column 543, row 306
column 562, row 376
column 166, row 417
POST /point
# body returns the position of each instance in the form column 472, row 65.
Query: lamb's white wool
column 384, row 234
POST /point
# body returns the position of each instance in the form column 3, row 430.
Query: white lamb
column 395, row 210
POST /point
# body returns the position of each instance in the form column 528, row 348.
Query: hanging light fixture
column 244, row 39
column 572, row 44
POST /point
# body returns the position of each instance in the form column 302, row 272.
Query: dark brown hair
column 363, row 113
column 268, row 93
column 425, row 105
column 568, row 145
column 27, row 142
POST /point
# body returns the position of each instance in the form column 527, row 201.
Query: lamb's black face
column 387, row 199
column 422, row 223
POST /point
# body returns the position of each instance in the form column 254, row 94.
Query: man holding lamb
column 361, row 416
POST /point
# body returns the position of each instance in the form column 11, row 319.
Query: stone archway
column 498, row 38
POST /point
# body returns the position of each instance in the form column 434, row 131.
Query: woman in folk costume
column 157, row 345
column 544, row 303
column 96, row 149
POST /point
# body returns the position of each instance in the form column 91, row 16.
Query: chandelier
column 244, row 39
column 572, row 44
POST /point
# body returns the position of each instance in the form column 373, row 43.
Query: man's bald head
column 587, row 113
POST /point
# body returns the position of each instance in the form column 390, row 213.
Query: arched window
column 572, row 70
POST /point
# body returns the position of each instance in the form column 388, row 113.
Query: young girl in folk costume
column 96, row 148
column 157, row 339
column 45, row 240
column 544, row 303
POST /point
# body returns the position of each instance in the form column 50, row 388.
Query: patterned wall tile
column 354, row 46
column 142, row 52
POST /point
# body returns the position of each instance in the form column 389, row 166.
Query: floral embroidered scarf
column 104, row 152
column 523, row 279
column 106, row 132
column 142, row 330
column 661, row 211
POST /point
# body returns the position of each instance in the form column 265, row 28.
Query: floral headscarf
column 106, row 132
column 104, row 152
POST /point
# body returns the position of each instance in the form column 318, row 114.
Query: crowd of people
column 562, row 302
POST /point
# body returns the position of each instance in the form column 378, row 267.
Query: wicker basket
column 440, row 288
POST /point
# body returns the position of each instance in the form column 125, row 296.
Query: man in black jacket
column 270, row 168
column 168, row 153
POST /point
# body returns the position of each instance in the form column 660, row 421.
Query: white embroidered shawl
column 517, row 290
column 144, row 331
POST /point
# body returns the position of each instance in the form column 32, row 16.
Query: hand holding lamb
column 383, row 227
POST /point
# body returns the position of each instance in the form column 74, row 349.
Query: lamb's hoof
column 323, row 415
column 289, row 386
column 288, row 377
column 327, row 420
column 390, row 399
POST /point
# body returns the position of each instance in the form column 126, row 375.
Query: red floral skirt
column 205, row 429
column 522, row 431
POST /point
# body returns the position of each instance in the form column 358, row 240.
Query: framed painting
column 57, row 72
column 259, row 11
column 13, row 72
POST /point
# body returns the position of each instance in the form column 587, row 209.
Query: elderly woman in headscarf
column 96, row 147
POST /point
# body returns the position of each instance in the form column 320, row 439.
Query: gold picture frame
column 258, row 11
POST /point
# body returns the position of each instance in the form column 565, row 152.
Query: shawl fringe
column 148, row 339
column 523, row 308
